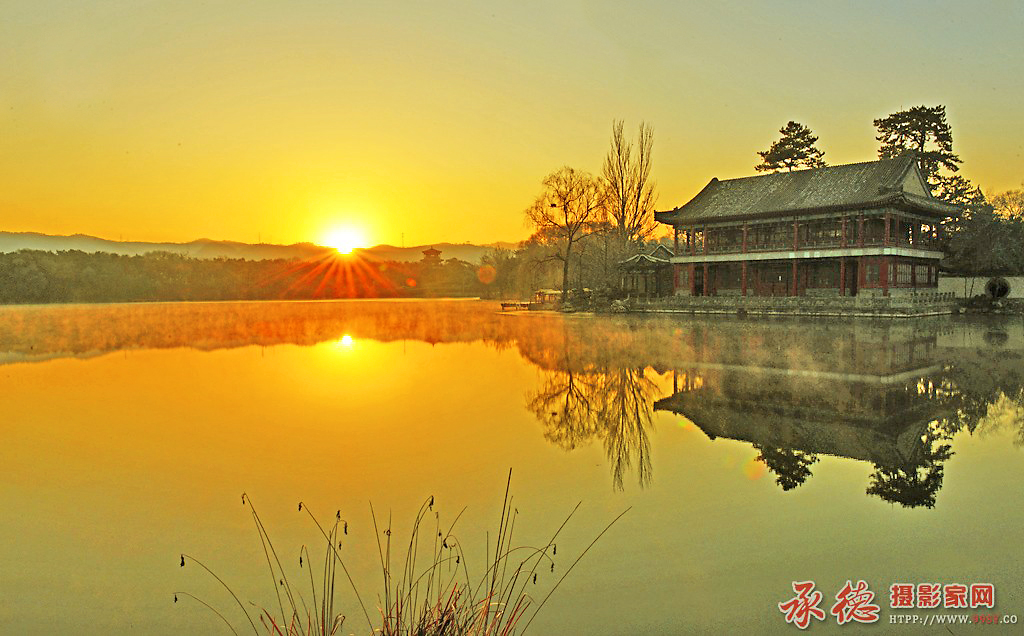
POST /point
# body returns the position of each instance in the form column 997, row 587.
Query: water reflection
column 791, row 467
column 914, row 483
column 892, row 394
column 609, row 406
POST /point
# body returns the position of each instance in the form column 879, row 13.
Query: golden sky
column 283, row 121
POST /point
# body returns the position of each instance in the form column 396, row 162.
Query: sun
column 345, row 240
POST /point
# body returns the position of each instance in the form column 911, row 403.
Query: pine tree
column 794, row 150
column 925, row 131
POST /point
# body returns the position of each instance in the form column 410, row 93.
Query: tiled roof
column 657, row 256
column 643, row 258
column 856, row 185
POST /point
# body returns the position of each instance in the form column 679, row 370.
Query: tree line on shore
column 583, row 224
column 72, row 276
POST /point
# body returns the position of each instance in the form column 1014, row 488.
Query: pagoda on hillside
column 431, row 256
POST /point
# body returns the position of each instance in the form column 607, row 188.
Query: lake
column 750, row 454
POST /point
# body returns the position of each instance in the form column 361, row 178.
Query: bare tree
column 573, row 202
column 631, row 196
column 1010, row 204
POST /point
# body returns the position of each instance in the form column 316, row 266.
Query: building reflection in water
column 894, row 421
column 890, row 393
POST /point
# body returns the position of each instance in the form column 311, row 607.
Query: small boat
column 542, row 299
column 514, row 305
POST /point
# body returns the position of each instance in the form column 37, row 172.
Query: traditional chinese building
column 858, row 229
column 648, row 273
column 431, row 256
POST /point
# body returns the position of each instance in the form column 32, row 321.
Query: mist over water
column 754, row 453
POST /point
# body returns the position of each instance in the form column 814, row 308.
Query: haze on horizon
column 283, row 122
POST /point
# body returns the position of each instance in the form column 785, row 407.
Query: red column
column 794, row 290
column 860, row 230
column 693, row 283
column 675, row 250
column 705, row 292
column 884, row 273
column 842, row 239
column 842, row 272
column 704, row 242
column 887, row 240
column 896, row 232
column 744, row 265
column 796, row 241
column 744, row 241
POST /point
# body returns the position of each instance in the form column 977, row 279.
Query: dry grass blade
column 431, row 595
column 582, row 554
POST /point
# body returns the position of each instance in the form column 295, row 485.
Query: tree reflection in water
column 1005, row 414
column 892, row 394
column 615, row 407
column 791, row 467
column 912, row 475
column 914, row 485
column 977, row 399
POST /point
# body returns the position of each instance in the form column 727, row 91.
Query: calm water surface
column 752, row 453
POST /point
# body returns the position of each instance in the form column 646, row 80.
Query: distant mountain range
column 206, row 248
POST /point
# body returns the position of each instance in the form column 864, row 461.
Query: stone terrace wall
column 905, row 305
